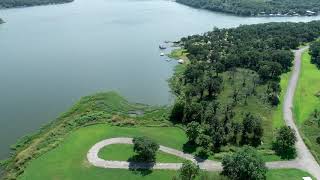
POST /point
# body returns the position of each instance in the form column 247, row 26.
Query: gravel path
column 304, row 161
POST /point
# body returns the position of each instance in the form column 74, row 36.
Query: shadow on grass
column 139, row 166
column 189, row 147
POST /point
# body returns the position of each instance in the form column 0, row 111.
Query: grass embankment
column 99, row 108
column 68, row 161
column 306, row 102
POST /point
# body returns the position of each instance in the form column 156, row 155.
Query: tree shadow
column 139, row 166
column 189, row 147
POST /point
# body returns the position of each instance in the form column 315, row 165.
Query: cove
column 50, row 56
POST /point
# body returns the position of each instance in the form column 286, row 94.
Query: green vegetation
column 68, row 161
column 1, row 21
column 124, row 152
column 258, row 7
column 245, row 164
column 292, row 174
column 307, row 104
column 145, row 149
column 179, row 54
column 100, row 108
column 306, row 99
column 25, row 3
column 284, row 143
column 315, row 53
column 229, row 91
column 188, row 171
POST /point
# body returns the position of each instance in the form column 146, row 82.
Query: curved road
column 304, row 160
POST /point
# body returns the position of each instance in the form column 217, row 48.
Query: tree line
column 315, row 53
column 263, row 51
column 23, row 3
column 253, row 8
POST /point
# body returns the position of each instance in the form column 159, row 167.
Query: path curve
column 305, row 159
column 208, row 165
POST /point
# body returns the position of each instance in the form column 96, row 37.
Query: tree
column 252, row 130
column 188, row 170
column 177, row 111
column 145, row 148
column 245, row 164
column 193, row 131
column 284, row 143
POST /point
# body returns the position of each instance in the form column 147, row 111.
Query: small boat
column 167, row 42
column 162, row 47
column 162, row 54
column 180, row 61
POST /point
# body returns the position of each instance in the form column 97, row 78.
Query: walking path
column 304, row 160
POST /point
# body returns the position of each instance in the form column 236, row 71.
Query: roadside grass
column 123, row 152
column 68, row 160
column 277, row 116
column 292, row 174
column 305, row 101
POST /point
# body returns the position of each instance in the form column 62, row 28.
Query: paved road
column 304, row 161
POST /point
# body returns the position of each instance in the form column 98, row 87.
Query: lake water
column 50, row 56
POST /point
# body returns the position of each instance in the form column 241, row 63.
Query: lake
column 50, row 56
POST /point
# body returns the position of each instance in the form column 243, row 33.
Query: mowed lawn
column 305, row 100
column 68, row 161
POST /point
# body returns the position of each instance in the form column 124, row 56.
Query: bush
column 245, row 164
column 145, row 148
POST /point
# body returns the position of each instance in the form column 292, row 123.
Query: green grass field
column 68, row 161
column 277, row 115
column 305, row 100
column 123, row 152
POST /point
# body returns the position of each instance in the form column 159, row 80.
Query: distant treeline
column 315, row 53
column 24, row 3
column 256, row 7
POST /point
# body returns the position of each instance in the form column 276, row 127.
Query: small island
column 1, row 21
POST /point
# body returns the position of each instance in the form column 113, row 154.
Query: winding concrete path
column 304, row 161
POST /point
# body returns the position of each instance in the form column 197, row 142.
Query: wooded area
column 258, row 7
column 250, row 59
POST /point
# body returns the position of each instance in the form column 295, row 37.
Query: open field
column 68, row 161
column 306, row 102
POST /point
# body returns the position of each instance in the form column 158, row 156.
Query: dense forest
column 315, row 53
column 258, row 7
column 23, row 3
column 233, row 74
